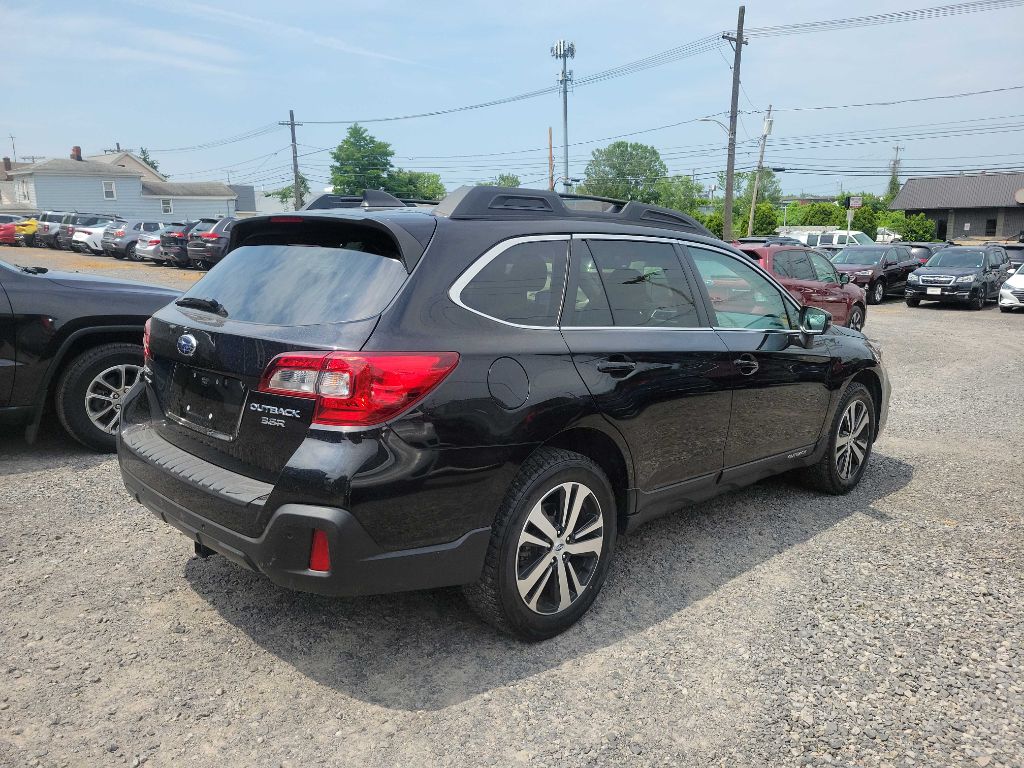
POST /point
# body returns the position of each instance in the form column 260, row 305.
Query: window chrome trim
column 455, row 292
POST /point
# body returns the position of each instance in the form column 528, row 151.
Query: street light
column 719, row 123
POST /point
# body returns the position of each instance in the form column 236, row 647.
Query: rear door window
column 203, row 226
column 800, row 266
column 522, row 284
column 644, row 283
column 302, row 284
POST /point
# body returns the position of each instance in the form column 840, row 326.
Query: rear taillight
column 286, row 219
column 146, row 355
column 358, row 389
column 154, row 241
column 119, row 233
column 71, row 230
column 319, row 552
column 209, row 236
column 174, row 234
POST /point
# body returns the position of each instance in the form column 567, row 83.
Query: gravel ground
column 769, row 627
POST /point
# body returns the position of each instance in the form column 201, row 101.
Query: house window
column 109, row 193
column 165, row 206
column 990, row 227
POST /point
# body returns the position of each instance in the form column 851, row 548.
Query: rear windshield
column 93, row 221
column 301, row 284
column 203, row 226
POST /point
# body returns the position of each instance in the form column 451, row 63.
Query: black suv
column 174, row 240
column 962, row 274
column 74, row 342
column 483, row 394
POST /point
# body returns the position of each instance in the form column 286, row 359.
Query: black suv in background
column 74, row 342
column 174, row 240
column 969, row 275
column 486, row 393
column 206, row 246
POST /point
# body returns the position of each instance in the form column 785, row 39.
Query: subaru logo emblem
column 187, row 344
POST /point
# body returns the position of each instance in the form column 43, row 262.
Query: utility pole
column 14, row 149
column 737, row 43
column 565, row 51
column 757, row 174
column 296, row 186
column 551, row 161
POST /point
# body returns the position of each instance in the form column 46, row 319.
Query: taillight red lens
column 155, row 241
column 146, row 355
column 358, row 389
column 286, row 219
column 209, row 235
column 319, row 552
column 71, row 230
column 119, row 233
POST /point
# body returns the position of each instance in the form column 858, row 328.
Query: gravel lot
column 769, row 627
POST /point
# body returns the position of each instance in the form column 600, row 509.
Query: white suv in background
column 90, row 238
column 836, row 241
column 1011, row 293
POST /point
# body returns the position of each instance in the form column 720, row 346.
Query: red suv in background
column 811, row 278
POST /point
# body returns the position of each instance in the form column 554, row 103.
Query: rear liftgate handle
column 747, row 364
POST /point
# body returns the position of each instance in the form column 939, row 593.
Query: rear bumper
column 359, row 566
column 175, row 253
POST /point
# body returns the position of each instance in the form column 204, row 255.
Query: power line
column 895, row 17
column 251, row 134
column 902, row 101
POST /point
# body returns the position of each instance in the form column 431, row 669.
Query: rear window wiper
column 207, row 305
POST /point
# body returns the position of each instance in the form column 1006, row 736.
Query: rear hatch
column 288, row 285
column 174, row 239
column 195, row 241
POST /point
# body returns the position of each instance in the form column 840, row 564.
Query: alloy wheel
column 105, row 393
column 559, row 548
column 879, row 291
column 857, row 318
column 852, row 440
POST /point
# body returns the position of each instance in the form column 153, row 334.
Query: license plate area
column 208, row 402
column 934, row 291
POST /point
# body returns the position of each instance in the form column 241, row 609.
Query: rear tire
column 90, row 382
column 851, row 438
column 129, row 252
column 913, row 302
column 537, row 580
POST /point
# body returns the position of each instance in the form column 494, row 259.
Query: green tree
column 286, row 194
column 626, row 171
column 917, row 228
column 766, row 219
column 147, row 158
column 507, row 180
column 865, row 220
column 769, row 190
column 418, row 184
column 893, row 189
column 680, row 193
column 714, row 223
column 824, row 215
column 360, row 162
column 794, row 214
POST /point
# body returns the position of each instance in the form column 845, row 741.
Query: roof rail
column 488, row 202
column 371, row 198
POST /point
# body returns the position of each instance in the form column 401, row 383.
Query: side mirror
column 813, row 322
column 844, row 278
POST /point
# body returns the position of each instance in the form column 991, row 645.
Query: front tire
column 876, row 293
column 978, row 302
column 913, row 302
column 91, row 389
column 856, row 319
column 849, row 447
column 551, row 545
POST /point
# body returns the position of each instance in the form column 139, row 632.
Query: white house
column 127, row 188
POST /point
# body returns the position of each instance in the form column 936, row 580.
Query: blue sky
column 180, row 74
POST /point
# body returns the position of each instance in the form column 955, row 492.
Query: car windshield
column 855, row 255
column 863, row 239
column 955, row 257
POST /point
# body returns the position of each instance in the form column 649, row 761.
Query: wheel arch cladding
column 83, row 342
column 605, row 452
column 870, row 380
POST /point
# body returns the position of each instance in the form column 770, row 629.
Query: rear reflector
column 146, row 354
column 358, row 389
column 319, row 552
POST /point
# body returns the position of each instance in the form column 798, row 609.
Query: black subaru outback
column 487, row 394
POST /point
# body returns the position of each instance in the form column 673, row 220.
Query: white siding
column 55, row 192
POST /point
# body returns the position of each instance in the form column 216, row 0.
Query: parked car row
column 196, row 243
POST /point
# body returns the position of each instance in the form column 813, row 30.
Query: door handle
column 620, row 367
column 747, row 364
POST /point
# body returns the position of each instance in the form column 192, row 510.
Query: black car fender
column 56, row 362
